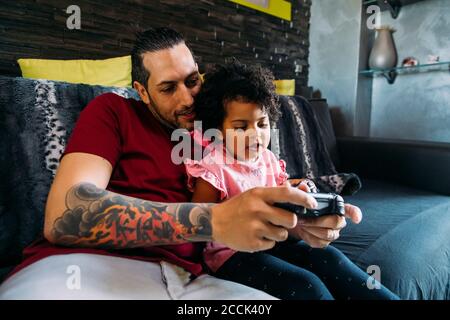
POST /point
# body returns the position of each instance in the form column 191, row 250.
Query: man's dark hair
column 235, row 81
column 151, row 40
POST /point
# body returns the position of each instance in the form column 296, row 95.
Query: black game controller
column 329, row 204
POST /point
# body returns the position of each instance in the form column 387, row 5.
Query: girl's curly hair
column 235, row 81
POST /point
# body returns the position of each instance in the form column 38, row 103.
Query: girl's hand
column 320, row 232
column 249, row 221
column 304, row 184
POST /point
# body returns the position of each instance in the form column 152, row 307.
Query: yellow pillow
column 285, row 87
column 114, row 72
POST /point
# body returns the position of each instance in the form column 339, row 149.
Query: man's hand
column 320, row 232
column 249, row 222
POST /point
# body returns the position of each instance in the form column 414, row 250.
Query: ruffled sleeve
column 282, row 175
column 209, row 173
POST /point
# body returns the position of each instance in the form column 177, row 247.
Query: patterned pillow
column 301, row 145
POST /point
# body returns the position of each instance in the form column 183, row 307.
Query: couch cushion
column 406, row 232
column 34, row 127
column 322, row 114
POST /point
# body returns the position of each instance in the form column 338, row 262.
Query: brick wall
column 215, row 29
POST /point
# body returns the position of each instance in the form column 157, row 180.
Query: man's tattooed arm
column 95, row 217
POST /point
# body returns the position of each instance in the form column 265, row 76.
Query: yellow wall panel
column 278, row 8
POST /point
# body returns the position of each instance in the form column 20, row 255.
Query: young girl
column 240, row 101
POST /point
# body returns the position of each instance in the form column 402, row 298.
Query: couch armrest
column 423, row 165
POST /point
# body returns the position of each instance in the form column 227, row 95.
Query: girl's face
column 246, row 130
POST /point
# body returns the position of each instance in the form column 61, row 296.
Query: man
column 120, row 206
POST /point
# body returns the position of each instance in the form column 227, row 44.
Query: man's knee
column 86, row 276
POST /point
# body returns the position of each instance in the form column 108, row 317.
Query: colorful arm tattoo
column 95, row 217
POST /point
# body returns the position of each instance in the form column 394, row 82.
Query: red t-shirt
column 125, row 132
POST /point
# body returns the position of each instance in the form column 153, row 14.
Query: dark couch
column 406, row 207
column 405, row 230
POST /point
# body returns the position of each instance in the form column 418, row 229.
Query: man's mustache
column 184, row 111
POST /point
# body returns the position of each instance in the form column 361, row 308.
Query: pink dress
column 232, row 177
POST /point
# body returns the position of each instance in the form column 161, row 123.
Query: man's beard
column 154, row 109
